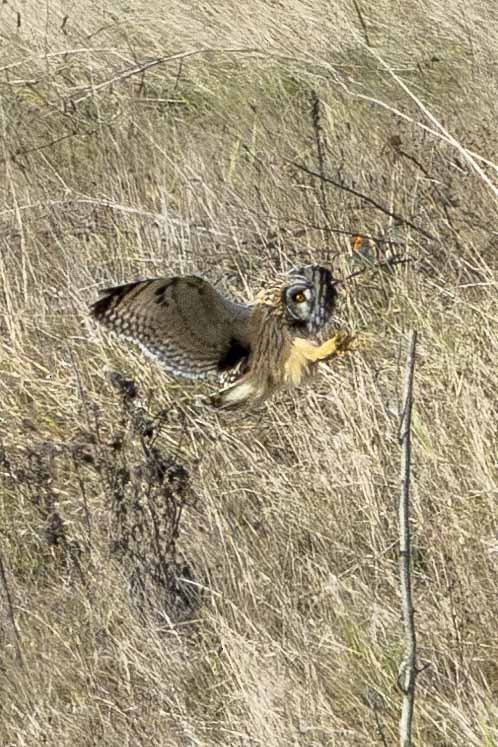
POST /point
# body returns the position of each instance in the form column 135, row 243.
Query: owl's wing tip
column 99, row 307
column 109, row 297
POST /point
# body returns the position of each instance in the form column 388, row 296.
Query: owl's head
column 309, row 296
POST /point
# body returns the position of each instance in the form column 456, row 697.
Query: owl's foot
column 339, row 344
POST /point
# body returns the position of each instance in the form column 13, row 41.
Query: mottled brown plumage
column 195, row 331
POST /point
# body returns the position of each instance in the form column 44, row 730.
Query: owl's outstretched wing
column 182, row 321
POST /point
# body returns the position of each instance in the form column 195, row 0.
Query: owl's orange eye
column 299, row 297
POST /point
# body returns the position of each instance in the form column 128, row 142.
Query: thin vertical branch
column 320, row 150
column 10, row 612
column 408, row 668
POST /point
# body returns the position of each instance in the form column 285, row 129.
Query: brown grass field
column 173, row 575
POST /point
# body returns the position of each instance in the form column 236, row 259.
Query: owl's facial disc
column 298, row 299
column 310, row 297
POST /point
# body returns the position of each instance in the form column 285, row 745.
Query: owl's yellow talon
column 339, row 344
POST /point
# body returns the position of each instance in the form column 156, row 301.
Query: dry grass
column 180, row 577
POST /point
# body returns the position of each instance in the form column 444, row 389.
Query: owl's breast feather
column 301, row 354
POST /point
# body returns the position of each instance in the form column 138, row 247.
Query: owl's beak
column 334, row 283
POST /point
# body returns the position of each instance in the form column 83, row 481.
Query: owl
column 254, row 350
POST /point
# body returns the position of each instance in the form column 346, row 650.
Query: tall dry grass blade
column 408, row 671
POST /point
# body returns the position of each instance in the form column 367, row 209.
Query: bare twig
column 10, row 612
column 50, row 144
column 347, row 84
column 466, row 154
column 421, row 125
column 380, row 265
column 366, row 198
column 317, row 127
column 408, row 668
column 362, row 22
column 140, row 69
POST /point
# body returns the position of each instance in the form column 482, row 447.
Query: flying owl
column 256, row 349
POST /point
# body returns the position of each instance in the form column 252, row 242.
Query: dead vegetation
column 173, row 576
